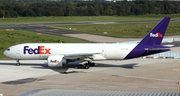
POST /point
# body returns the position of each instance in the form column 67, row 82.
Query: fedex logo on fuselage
column 54, row 61
column 38, row 50
column 156, row 35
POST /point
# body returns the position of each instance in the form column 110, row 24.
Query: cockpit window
column 8, row 49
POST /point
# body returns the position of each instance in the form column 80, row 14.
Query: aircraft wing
column 85, row 55
column 81, row 54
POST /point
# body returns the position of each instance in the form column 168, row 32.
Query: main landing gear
column 92, row 64
column 87, row 65
column 18, row 63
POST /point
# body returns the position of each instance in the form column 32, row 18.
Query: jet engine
column 56, row 61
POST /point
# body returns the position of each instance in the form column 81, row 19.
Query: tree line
column 123, row 8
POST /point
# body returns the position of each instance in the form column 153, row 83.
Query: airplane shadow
column 126, row 66
column 63, row 70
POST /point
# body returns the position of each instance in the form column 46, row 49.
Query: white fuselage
column 34, row 51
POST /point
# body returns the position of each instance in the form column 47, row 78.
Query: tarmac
column 160, row 75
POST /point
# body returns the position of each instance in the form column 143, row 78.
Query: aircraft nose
column 6, row 53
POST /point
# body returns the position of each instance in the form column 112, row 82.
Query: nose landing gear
column 18, row 63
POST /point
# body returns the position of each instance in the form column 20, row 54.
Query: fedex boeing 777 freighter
column 60, row 54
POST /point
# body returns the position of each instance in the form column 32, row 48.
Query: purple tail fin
column 155, row 36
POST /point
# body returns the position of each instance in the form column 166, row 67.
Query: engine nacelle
column 56, row 61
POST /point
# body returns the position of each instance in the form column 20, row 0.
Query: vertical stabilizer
column 155, row 36
column 151, row 43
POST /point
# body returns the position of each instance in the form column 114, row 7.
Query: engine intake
column 56, row 61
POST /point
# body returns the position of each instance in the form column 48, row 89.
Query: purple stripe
column 140, row 51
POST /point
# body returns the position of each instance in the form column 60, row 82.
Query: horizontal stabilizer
column 154, row 49
column 168, row 45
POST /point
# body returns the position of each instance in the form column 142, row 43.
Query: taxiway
column 132, row 75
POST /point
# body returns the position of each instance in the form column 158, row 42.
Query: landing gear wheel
column 92, row 64
column 18, row 64
column 86, row 66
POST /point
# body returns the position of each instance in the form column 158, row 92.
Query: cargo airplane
column 60, row 54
